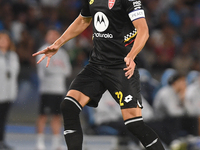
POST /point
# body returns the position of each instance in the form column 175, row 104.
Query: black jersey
column 112, row 28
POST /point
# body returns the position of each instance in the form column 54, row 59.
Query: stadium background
column 174, row 42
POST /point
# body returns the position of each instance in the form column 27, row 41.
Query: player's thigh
column 87, row 87
column 125, row 91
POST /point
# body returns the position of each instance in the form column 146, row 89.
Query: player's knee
column 70, row 107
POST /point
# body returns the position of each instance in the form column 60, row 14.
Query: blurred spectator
column 9, row 68
column 169, row 107
column 192, row 100
column 52, row 90
column 169, row 99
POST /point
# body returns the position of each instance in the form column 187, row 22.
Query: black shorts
column 50, row 104
column 94, row 80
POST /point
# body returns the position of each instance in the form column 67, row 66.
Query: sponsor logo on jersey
column 111, row 3
column 128, row 98
column 101, row 23
column 69, row 131
column 137, row 5
column 91, row 2
column 104, row 35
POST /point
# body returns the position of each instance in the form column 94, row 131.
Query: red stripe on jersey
column 130, row 42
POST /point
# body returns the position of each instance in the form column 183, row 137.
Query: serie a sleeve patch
column 136, row 14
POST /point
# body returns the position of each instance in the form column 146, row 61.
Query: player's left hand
column 48, row 52
column 130, row 67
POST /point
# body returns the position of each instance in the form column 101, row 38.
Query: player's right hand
column 130, row 67
column 48, row 52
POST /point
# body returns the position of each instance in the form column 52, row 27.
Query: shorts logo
column 101, row 22
column 111, row 3
column 128, row 98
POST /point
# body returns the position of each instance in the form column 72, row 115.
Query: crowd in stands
column 175, row 103
column 174, row 27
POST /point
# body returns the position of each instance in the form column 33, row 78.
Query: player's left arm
column 140, row 40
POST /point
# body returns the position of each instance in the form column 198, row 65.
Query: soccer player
column 116, row 24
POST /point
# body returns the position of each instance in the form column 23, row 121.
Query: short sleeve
column 85, row 11
column 134, row 9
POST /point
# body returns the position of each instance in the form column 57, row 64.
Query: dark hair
column 5, row 32
column 174, row 78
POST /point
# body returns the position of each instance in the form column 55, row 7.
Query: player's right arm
column 77, row 27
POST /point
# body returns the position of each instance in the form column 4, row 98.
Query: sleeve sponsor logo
column 136, row 14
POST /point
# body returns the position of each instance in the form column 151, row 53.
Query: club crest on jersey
column 111, row 3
